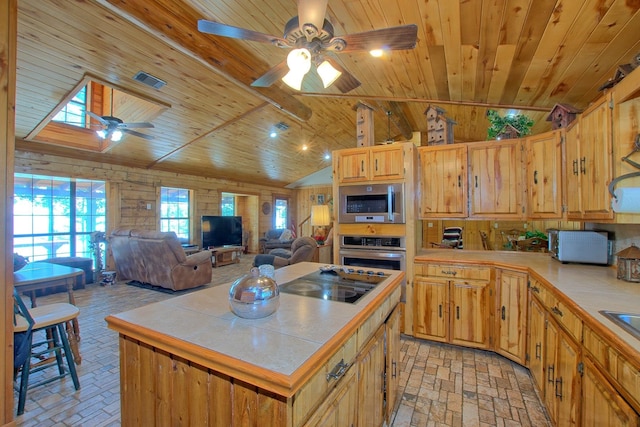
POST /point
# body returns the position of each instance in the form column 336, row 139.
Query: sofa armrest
column 198, row 258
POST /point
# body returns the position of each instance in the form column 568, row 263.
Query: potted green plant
column 498, row 124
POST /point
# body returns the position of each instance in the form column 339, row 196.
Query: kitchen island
column 190, row 360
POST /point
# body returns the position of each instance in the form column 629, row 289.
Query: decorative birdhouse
column 629, row 264
column 439, row 127
column 561, row 115
column 509, row 132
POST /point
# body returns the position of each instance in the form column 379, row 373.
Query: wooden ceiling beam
column 398, row 118
column 175, row 23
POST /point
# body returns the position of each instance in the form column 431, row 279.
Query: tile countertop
column 591, row 287
column 281, row 342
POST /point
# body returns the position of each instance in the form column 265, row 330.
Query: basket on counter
column 629, row 264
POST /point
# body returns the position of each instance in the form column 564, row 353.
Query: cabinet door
column 470, row 313
column 596, row 159
column 602, row 405
column 340, row 408
column 387, row 162
column 393, row 363
column 495, row 180
column 567, row 382
column 443, row 181
column 353, row 165
column 431, row 309
column 371, row 364
column 551, row 366
column 511, row 314
column 572, row 171
column 536, row 342
column 544, row 175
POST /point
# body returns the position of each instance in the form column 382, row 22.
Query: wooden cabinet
column 496, row 179
column 452, row 304
column 589, row 160
column 602, row 405
column 544, row 175
column 385, row 162
column 371, row 366
column 511, row 314
column 443, row 181
column 340, row 407
column 392, row 375
column 537, row 347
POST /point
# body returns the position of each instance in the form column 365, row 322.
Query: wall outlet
column 495, row 225
column 525, row 226
column 148, row 206
column 430, row 224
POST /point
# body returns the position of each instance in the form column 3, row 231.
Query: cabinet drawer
column 318, row 386
column 452, row 271
column 560, row 311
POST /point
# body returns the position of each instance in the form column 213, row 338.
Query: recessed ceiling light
column 376, row 53
column 304, row 147
column 273, row 134
column 327, row 156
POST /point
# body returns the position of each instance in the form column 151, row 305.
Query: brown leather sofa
column 158, row 259
column 302, row 249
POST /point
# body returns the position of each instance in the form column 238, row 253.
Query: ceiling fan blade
column 347, row 81
column 224, row 30
column 312, row 12
column 135, row 125
column 138, row 134
column 98, row 118
column 393, row 38
column 272, row 76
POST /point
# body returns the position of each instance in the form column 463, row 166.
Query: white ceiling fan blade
column 98, row 118
column 312, row 12
column 135, row 125
column 138, row 134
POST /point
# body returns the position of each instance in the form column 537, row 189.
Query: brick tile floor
column 441, row 385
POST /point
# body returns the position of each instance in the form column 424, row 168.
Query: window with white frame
column 56, row 216
column 175, row 212
column 75, row 112
column 281, row 213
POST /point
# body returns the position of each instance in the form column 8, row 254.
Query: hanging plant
column 498, row 124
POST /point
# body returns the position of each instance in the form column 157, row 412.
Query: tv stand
column 225, row 255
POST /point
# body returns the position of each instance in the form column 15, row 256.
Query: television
column 218, row 231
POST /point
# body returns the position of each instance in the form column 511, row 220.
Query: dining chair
column 45, row 353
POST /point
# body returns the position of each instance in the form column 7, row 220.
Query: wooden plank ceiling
column 517, row 56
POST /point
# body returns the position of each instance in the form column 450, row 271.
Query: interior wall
column 132, row 190
column 307, row 197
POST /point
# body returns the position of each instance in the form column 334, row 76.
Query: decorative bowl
column 254, row 296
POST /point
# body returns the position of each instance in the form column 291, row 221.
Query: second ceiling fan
column 311, row 38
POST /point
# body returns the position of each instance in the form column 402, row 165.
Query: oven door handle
column 390, row 203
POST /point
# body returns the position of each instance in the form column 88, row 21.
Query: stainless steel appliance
column 377, row 203
column 589, row 247
column 372, row 253
column 330, row 285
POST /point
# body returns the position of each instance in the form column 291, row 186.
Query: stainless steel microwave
column 374, row 203
column 591, row 247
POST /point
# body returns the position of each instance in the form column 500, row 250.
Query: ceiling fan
column 311, row 37
column 113, row 127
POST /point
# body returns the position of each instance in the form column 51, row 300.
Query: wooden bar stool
column 48, row 352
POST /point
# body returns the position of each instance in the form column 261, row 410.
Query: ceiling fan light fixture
column 328, row 73
column 102, row 134
column 299, row 63
column 116, row 136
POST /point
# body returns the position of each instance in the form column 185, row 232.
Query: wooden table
column 226, row 255
column 43, row 275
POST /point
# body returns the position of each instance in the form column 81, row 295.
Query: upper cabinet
column 544, row 175
column 589, row 163
column 443, row 181
column 378, row 163
column 495, row 179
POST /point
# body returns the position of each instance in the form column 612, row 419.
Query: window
column 54, row 216
column 74, row 113
column 175, row 212
column 228, row 205
column 281, row 212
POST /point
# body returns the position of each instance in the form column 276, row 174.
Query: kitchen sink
column 629, row 322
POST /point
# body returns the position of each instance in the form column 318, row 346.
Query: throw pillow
column 285, row 236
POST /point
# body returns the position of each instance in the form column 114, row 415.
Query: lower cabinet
column 602, row 405
column 341, row 406
column 392, row 374
column 537, row 347
column 371, row 365
column 511, row 314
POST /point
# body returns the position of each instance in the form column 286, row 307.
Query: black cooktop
column 331, row 286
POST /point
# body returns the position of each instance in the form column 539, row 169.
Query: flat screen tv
column 220, row 231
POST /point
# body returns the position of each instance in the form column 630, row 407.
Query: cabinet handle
column 575, row 167
column 535, row 289
column 550, row 370
column 453, row 273
column 459, row 181
column 557, row 311
column 395, row 365
column 538, row 350
column 376, row 164
column 476, row 181
column 440, row 310
column 504, row 316
column 535, row 177
column 337, row 371
column 559, row 393
column 458, row 312
column 362, row 166
column 583, row 165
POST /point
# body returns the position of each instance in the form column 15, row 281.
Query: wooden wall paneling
column 8, row 51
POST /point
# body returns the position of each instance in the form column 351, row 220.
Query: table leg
column 72, row 300
column 73, row 342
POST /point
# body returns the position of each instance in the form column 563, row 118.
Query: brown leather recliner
column 158, row 259
column 302, row 249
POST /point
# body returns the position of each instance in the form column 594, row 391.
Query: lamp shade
column 328, row 73
column 320, row 215
column 299, row 63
